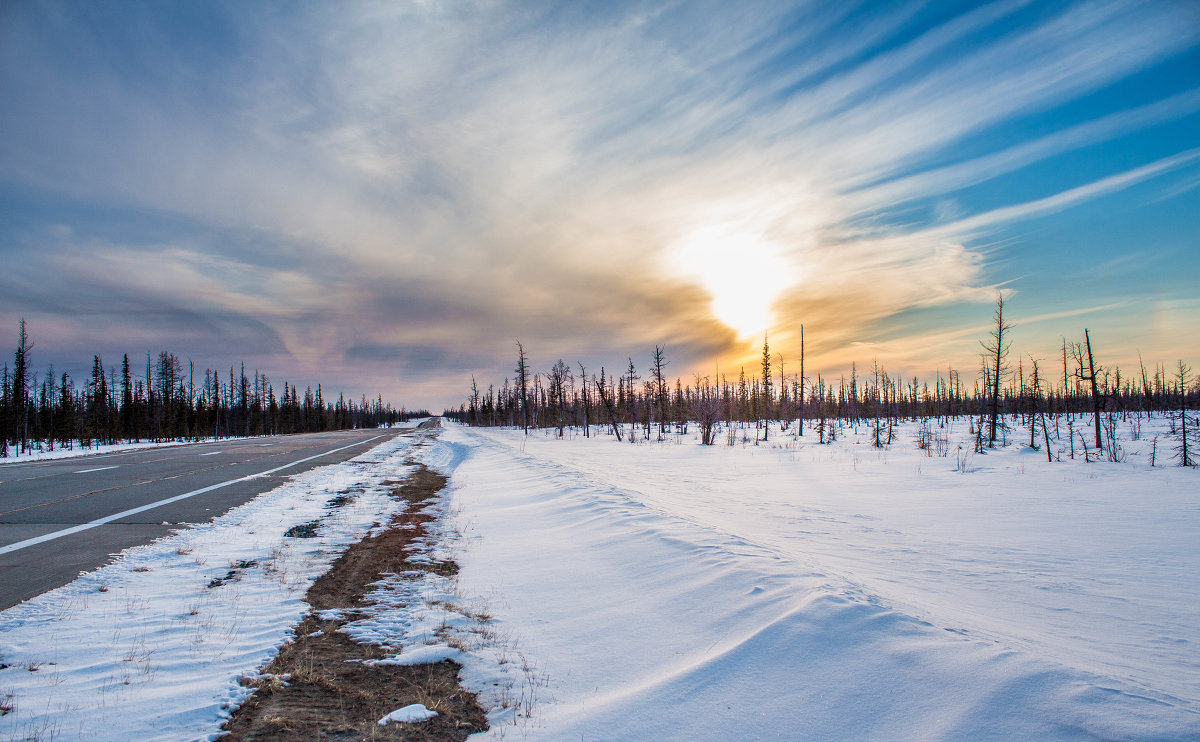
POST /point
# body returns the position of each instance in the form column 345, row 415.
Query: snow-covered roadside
column 152, row 646
column 798, row 591
column 422, row 617
column 45, row 454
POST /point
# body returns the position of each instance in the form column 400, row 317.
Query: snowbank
column 799, row 591
column 152, row 647
column 42, row 452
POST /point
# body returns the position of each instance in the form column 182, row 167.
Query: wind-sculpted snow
column 799, row 591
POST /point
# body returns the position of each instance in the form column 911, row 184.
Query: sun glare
column 743, row 272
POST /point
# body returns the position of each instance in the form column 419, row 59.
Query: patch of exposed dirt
column 318, row 687
column 234, row 574
column 304, row 530
column 330, row 694
column 341, row 500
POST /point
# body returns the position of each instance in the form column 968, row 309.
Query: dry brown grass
column 330, row 692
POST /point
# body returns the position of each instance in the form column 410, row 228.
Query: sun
column 740, row 307
column 743, row 272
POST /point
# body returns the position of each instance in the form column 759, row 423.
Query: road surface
column 62, row 517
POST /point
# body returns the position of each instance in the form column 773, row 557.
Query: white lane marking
column 98, row 468
column 210, row 453
column 134, row 511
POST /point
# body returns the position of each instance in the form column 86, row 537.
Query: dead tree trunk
column 587, row 403
column 997, row 350
column 608, row 406
column 1095, row 393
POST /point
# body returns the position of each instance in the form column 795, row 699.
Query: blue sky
column 384, row 195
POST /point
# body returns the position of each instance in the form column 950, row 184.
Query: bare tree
column 1037, row 412
column 474, row 408
column 586, row 399
column 560, row 375
column 997, row 351
column 1090, row 377
column 1146, row 394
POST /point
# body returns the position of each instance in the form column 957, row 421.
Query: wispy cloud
column 450, row 175
column 1065, row 199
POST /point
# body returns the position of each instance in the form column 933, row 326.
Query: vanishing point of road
column 65, row 516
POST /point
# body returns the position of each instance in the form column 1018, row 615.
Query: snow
column 793, row 590
column 152, row 646
column 41, row 452
column 422, row 656
column 408, row 714
column 665, row 590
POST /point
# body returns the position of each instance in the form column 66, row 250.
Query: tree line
column 164, row 402
column 1075, row 402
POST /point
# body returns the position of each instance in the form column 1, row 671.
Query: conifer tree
column 767, row 395
column 5, row 411
column 606, row 400
column 97, row 403
column 522, row 380
column 19, row 396
column 66, row 410
column 800, row 388
column 660, row 386
column 1185, row 448
column 126, row 399
column 631, row 399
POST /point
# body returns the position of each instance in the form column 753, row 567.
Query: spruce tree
column 1185, row 448
column 97, row 403
column 19, row 398
column 522, row 380
column 126, row 400
column 767, row 395
column 660, row 386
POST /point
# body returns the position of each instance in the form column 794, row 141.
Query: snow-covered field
column 791, row 590
column 664, row 590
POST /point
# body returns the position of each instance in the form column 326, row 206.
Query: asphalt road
column 49, row 511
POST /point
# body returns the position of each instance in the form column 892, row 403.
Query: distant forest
column 162, row 402
column 1046, row 403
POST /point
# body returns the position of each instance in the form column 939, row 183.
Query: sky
column 385, row 196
